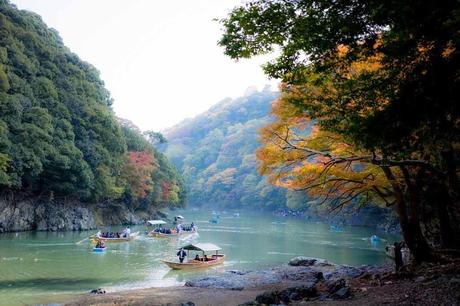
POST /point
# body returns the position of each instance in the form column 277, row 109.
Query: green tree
column 59, row 137
column 403, row 110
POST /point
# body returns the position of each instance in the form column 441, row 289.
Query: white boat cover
column 156, row 222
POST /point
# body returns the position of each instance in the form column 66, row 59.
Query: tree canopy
column 379, row 83
column 58, row 134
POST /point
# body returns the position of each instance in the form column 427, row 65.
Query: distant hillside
column 215, row 152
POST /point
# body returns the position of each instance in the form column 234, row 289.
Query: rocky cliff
column 65, row 215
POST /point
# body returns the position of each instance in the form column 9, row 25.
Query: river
column 43, row 267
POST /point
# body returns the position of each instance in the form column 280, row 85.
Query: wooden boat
column 162, row 235
column 215, row 259
column 95, row 239
column 156, row 234
column 99, row 250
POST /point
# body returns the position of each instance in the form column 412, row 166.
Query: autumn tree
column 137, row 171
column 379, row 81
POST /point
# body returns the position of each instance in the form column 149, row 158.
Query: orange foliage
column 297, row 154
column 137, row 172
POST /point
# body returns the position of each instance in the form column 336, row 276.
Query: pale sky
column 159, row 59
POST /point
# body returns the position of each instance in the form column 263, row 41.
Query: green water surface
column 43, row 267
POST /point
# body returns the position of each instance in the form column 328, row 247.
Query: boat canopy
column 179, row 217
column 204, row 247
column 156, row 222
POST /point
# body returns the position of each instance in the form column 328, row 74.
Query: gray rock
column 269, row 298
column 341, row 294
column 420, row 279
column 238, row 281
column 334, row 286
column 302, row 261
column 298, row 293
column 59, row 215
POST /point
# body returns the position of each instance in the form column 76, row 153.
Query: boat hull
column 99, row 250
column 194, row 264
column 161, row 235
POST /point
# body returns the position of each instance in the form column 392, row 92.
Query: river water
column 42, row 267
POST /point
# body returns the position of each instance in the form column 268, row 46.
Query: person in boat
column 193, row 227
column 179, row 228
column 181, row 254
column 206, row 258
column 100, row 244
column 173, row 231
column 127, row 232
column 197, row 257
column 98, row 234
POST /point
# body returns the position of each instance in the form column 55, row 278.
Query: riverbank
column 309, row 282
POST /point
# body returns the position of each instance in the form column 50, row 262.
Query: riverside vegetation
column 377, row 83
column 61, row 147
column 216, row 153
column 367, row 113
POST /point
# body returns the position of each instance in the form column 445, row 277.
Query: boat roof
column 156, row 222
column 179, row 217
column 205, row 247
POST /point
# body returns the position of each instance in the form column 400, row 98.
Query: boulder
column 302, row 261
column 334, row 286
column 269, row 298
column 342, row 293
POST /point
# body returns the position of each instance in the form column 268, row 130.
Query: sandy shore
column 175, row 296
column 314, row 284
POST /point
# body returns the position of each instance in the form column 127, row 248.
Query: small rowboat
column 99, row 250
column 214, row 260
column 95, row 239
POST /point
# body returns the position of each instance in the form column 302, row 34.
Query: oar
column 79, row 242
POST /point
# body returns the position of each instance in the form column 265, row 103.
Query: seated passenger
column 206, row 258
column 197, row 257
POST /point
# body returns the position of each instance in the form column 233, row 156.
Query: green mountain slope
column 59, row 137
column 216, row 153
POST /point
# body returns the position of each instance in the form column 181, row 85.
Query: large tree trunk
column 408, row 218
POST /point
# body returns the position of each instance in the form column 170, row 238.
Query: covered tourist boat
column 201, row 262
column 161, row 232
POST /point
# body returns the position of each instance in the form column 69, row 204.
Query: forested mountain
column 59, row 137
column 216, row 153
